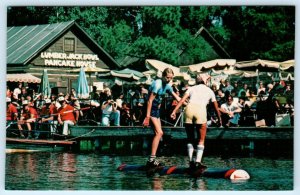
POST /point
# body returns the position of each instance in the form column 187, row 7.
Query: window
column 69, row 44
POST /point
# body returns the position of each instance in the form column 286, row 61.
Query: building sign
column 70, row 59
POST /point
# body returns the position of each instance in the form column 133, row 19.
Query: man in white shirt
column 110, row 113
column 196, row 117
column 230, row 112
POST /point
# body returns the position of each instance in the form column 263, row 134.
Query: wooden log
column 39, row 142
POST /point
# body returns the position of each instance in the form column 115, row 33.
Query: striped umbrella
column 45, row 88
column 82, row 85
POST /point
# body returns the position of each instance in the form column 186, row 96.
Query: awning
column 26, row 78
column 257, row 64
column 217, row 63
column 287, row 65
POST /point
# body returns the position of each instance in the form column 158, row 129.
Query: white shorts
column 195, row 113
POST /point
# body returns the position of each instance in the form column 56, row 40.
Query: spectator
column 261, row 87
column 120, row 100
column 125, row 117
column 270, row 88
column 222, row 85
column 24, row 94
column 220, row 97
column 236, row 86
column 66, row 115
column 288, row 92
column 228, row 87
column 109, row 110
column 8, row 92
column 245, row 90
column 17, row 93
column 94, row 95
column 11, row 111
column 138, row 105
column 214, row 88
column 28, row 117
column 47, row 113
column 73, row 93
column 272, row 107
column 230, row 112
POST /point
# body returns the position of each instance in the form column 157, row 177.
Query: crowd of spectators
column 240, row 105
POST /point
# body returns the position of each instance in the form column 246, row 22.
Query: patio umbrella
column 45, row 88
column 89, row 70
column 122, row 76
column 82, row 85
column 159, row 67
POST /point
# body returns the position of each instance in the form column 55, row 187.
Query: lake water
column 96, row 171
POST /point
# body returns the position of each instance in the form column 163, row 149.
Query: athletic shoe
column 199, row 165
column 154, row 163
column 192, row 165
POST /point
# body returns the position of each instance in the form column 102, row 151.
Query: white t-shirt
column 230, row 108
column 201, row 94
column 16, row 92
column 107, row 109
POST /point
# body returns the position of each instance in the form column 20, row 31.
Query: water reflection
column 92, row 171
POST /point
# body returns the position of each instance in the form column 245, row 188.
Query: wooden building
column 60, row 48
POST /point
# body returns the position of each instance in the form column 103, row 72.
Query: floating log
column 39, row 141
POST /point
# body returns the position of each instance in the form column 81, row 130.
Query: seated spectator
column 110, row 113
column 28, row 117
column 245, row 90
column 17, row 93
column 230, row 112
column 47, row 114
column 261, row 87
column 94, row 95
column 120, row 101
column 138, row 103
column 11, row 111
column 228, row 87
column 220, row 97
column 125, row 117
column 66, row 115
column 246, row 115
column 109, row 109
column 214, row 88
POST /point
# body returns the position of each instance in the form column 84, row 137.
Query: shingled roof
column 24, row 43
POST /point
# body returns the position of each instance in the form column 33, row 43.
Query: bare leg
column 158, row 135
column 200, row 147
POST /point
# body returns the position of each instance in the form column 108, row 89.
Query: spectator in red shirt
column 47, row 113
column 11, row 111
column 28, row 117
column 66, row 115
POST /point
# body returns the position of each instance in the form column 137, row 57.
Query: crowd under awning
column 26, row 78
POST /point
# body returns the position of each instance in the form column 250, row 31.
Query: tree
column 266, row 32
column 165, row 32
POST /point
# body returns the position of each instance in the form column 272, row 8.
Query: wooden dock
column 214, row 133
column 128, row 139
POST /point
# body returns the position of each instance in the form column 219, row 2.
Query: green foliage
column 169, row 33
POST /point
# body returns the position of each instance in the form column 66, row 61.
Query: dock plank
column 252, row 133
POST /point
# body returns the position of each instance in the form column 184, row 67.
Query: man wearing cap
column 47, row 113
column 11, row 111
column 196, row 116
column 66, row 115
column 29, row 116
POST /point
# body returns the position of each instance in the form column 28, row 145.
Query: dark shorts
column 155, row 112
